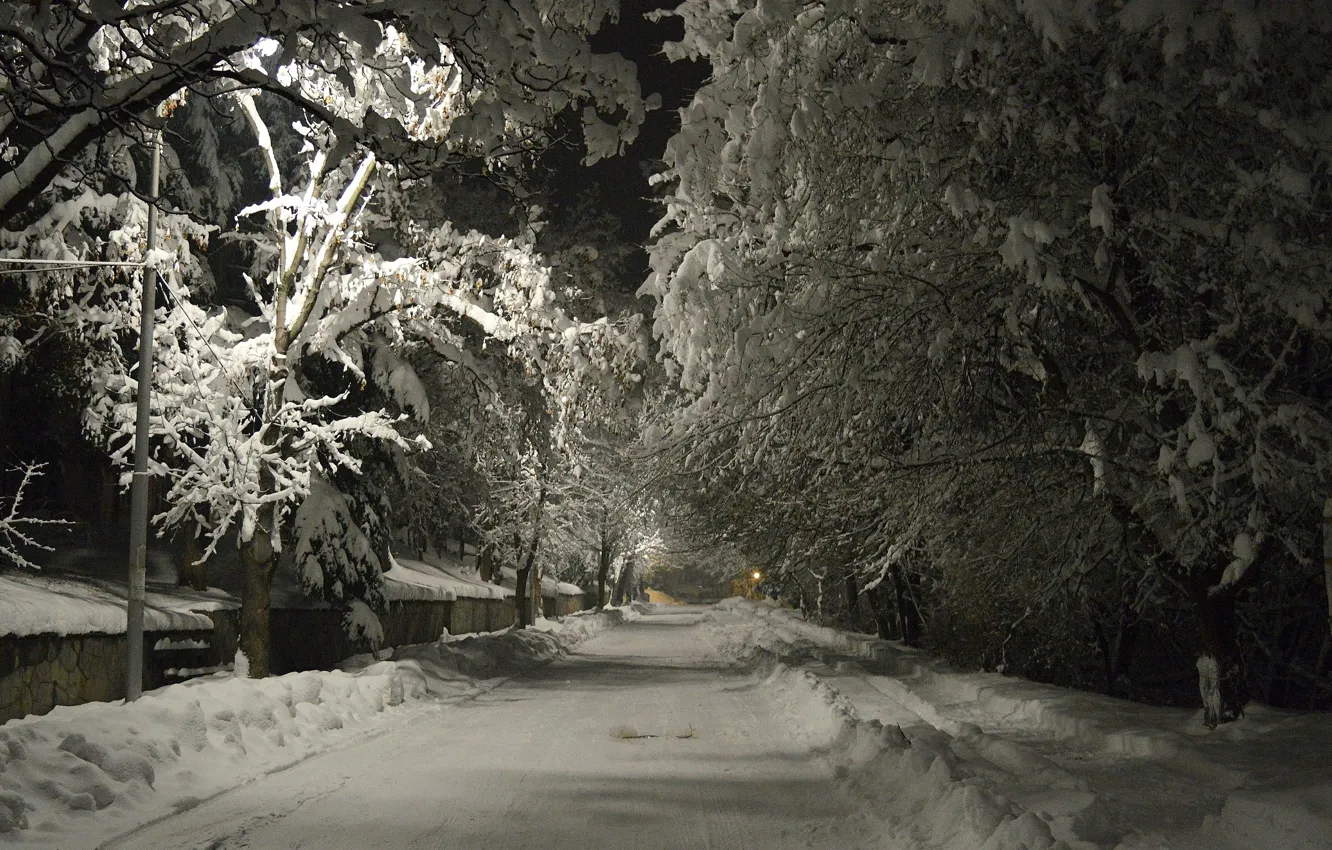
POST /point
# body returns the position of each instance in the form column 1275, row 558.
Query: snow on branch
column 13, row 536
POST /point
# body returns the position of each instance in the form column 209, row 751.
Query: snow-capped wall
column 34, row 604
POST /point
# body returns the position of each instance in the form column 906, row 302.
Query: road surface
column 646, row 738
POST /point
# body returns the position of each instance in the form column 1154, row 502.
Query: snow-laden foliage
column 348, row 110
column 431, row 82
column 917, row 253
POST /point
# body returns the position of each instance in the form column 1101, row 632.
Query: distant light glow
column 757, row 575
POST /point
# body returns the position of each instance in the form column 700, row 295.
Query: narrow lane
column 644, row 739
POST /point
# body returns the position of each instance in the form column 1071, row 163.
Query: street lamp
column 757, row 575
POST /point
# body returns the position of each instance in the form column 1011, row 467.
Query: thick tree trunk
column 520, row 585
column 525, row 604
column 258, row 560
column 603, row 575
column 520, row 599
column 603, row 561
column 1220, row 672
column 1220, row 675
column 485, row 563
column 538, row 596
column 622, row 583
column 1327, row 558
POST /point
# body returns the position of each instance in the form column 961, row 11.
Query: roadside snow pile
column 1097, row 771
column 451, row 667
column 82, row 774
column 909, row 775
column 769, row 630
column 111, row 766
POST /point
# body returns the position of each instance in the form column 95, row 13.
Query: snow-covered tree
column 262, row 410
column 916, row 251
column 423, row 83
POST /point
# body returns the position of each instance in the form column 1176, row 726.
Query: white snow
column 549, row 586
column 32, row 604
column 997, row 762
column 437, row 578
column 735, row 726
column 80, row 775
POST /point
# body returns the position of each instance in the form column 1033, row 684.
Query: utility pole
column 138, row 569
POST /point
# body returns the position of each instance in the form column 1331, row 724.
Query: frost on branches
column 1010, row 269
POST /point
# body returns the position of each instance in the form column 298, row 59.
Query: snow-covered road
column 645, row 738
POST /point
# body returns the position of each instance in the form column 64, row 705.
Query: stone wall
column 39, row 672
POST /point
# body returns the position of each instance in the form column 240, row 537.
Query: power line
column 40, row 266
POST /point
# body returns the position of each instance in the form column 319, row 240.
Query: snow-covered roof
column 408, row 578
column 41, row 603
column 549, row 586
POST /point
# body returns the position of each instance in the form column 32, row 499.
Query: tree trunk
column 520, row 585
column 1220, row 675
column 193, row 571
column 622, row 583
column 878, row 599
column 1220, row 672
column 538, row 595
column 603, row 575
column 485, row 563
column 520, row 598
column 259, row 561
column 1327, row 558
column 908, row 616
column 524, row 604
column 1116, row 649
column 852, row 598
column 603, row 561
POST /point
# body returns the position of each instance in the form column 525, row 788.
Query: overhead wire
column 41, row 266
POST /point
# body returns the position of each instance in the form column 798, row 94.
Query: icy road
column 645, row 737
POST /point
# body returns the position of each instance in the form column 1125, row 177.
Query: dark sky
column 622, row 180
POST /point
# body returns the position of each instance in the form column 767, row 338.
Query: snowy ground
column 728, row 727
column 1095, row 771
column 81, row 775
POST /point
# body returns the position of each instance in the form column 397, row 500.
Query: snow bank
column 78, row 776
column 1294, row 815
column 33, row 604
column 1032, row 754
column 910, row 776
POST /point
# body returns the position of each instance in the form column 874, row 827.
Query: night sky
column 622, row 181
